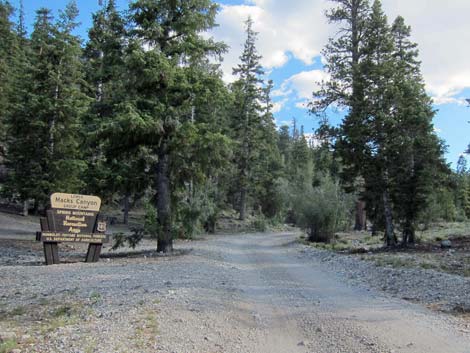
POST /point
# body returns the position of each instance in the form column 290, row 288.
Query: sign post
column 72, row 218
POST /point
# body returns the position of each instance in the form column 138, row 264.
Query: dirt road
column 243, row 293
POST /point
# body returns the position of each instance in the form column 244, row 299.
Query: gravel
column 442, row 291
column 231, row 294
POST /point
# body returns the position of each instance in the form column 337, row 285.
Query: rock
column 7, row 336
column 301, row 344
column 15, row 350
column 446, row 244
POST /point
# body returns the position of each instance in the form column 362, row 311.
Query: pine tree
column 300, row 169
column 201, row 154
column 52, row 103
column 165, row 46
column 359, row 62
column 465, row 197
column 387, row 137
column 7, row 48
column 345, row 56
column 247, row 115
column 418, row 164
column 377, row 70
column 268, row 167
column 284, row 143
column 111, row 171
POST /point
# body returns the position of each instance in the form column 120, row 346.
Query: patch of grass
column 91, row 347
column 373, row 240
column 59, row 322
column 18, row 311
column 63, row 322
column 64, row 310
column 8, row 345
column 95, row 297
column 428, row 266
column 146, row 331
column 442, row 231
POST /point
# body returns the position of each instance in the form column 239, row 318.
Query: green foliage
column 141, row 112
column 257, row 160
column 259, row 224
column 131, row 240
column 387, row 138
column 322, row 210
column 48, row 107
column 8, row 46
column 440, row 207
column 151, row 226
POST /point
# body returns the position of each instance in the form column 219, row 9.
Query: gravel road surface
column 240, row 293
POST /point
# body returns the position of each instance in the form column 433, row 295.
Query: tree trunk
column 361, row 220
column 408, row 233
column 389, row 233
column 165, row 241
column 242, row 206
column 52, row 120
column 374, row 230
column 126, row 209
column 25, row 208
column 313, row 236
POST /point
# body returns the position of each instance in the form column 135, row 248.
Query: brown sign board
column 74, row 218
column 71, row 221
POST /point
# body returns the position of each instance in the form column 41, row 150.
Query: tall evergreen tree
column 112, row 172
column 269, row 164
column 418, row 164
column 247, row 116
column 345, row 56
column 166, row 45
column 386, row 137
column 379, row 124
column 49, row 116
column 7, row 45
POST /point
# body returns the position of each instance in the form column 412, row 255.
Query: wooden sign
column 73, row 218
column 75, row 202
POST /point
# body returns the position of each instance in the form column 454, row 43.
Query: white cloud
column 448, row 99
column 442, row 31
column 305, row 82
column 299, row 87
column 284, row 29
column 285, row 122
column 299, row 28
column 279, row 105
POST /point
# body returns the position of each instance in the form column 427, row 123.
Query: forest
column 139, row 115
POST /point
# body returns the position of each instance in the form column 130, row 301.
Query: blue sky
column 292, row 34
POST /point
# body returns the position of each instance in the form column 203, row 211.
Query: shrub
column 322, row 210
column 259, row 224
